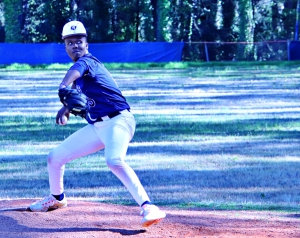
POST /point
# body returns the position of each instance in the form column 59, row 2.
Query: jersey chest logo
column 91, row 102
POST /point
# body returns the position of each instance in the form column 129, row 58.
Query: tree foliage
column 33, row 21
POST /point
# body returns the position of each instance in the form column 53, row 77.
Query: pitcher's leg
column 116, row 144
column 83, row 142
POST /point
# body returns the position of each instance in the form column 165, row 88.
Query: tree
column 34, row 17
column 161, row 10
column 14, row 20
column 179, row 19
column 56, row 14
column 226, row 32
column 2, row 22
column 204, row 26
column 33, row 21
column 246, row 29
column 289, row 18
column 95, row 15
column 158, row 20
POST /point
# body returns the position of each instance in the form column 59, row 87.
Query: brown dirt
column 88, row 219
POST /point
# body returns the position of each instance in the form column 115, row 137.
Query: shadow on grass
column 159, row 129
column 204, row 102
column 276, row 175
column 234, row 150
column 293, row 215
column 254, row 182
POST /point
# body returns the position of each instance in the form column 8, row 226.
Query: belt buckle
column 105, row 118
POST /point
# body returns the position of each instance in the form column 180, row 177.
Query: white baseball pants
column 114, row 135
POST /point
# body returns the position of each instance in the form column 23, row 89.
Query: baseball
column 63, row 120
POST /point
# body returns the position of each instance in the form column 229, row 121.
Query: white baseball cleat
column 48, row 203
column 152, row 215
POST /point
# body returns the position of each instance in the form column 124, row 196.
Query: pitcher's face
column 76, row 47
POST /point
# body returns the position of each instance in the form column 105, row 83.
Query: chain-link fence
column 236, row 51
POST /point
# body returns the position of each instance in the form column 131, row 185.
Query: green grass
column 219, row 137
column 167, row 65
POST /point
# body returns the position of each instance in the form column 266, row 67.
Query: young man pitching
column 111, row 125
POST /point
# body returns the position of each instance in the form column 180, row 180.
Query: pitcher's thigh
column 82, row 142
column 116, row 142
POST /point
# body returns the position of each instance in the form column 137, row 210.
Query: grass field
column 217, row 137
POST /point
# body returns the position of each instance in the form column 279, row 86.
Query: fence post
column 297, row 20
column 288, row 49
column 206, row 52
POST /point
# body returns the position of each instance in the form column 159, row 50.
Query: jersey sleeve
column 81, row 66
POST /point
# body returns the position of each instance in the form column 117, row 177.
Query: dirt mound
column 88, row 219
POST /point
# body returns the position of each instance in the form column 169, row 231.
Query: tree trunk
column 246, row 29
column 137, row 20
column 14, row 20
column 160, row 20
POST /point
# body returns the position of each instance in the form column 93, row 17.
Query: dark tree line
column 37, row 21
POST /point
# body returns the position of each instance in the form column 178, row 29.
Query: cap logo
column 73, row 28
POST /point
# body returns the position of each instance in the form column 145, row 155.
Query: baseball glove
column 75, row 101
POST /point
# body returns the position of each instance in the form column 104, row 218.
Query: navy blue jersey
column 97, row 84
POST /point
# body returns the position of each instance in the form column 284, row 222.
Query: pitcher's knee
column 114, row 163
column 53, row 160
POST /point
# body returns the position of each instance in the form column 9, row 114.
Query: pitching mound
column 87, row 219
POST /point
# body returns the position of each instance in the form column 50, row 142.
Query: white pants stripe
column 114, row 135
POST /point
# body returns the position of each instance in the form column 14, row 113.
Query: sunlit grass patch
column 176, row 65
column 58, row 66
column 17, row 66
